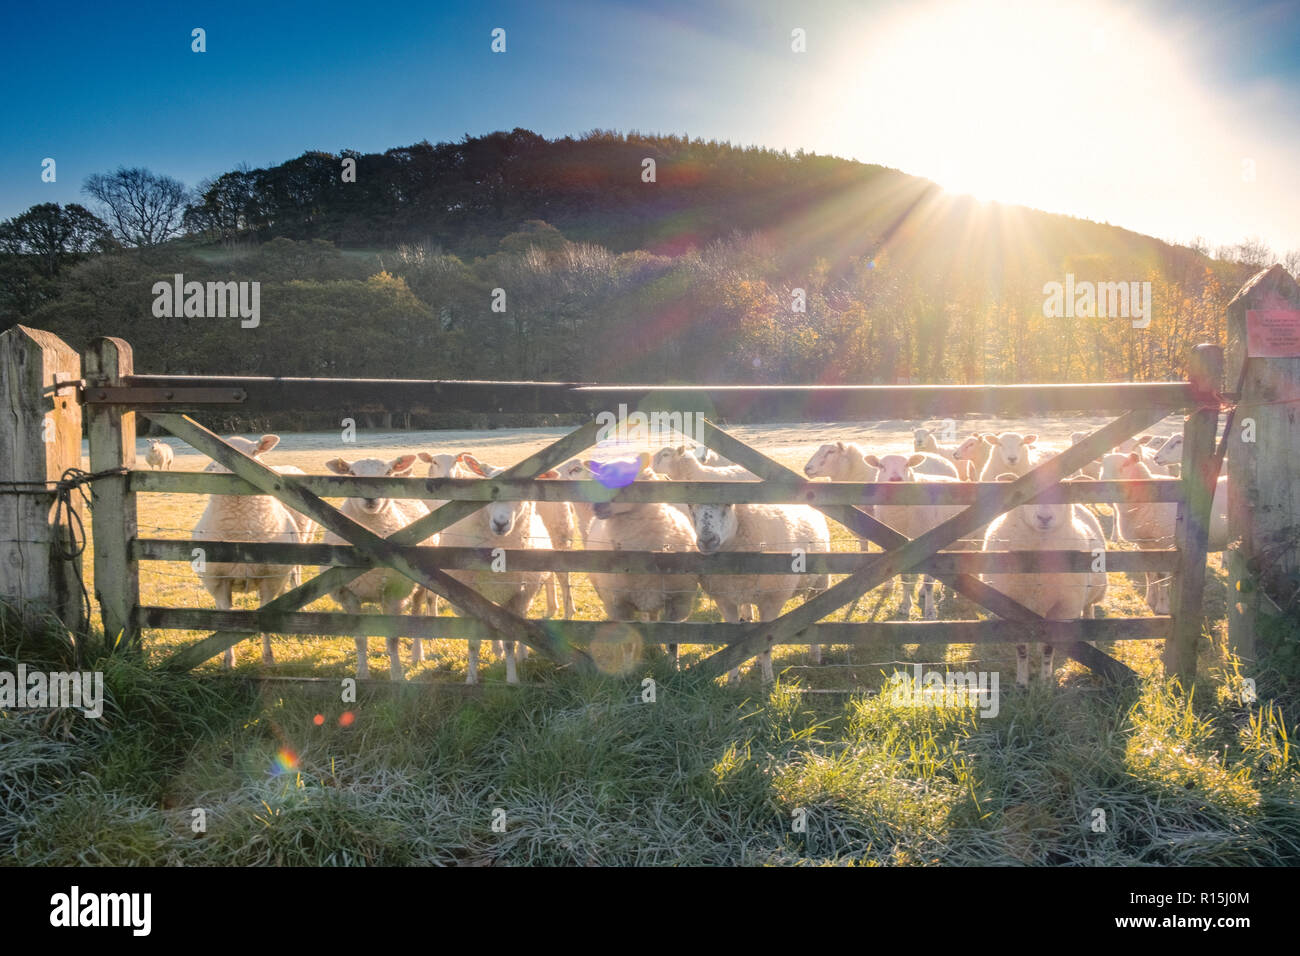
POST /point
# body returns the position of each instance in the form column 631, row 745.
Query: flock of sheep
column 1057, row 595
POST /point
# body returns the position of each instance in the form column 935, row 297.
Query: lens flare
column 318, row 720
column 616, row 474
column 346, row 718
column 616, row 648
column 286, row 761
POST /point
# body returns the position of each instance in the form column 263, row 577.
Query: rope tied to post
column 70, row 545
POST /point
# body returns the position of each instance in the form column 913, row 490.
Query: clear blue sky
column 1145, row 115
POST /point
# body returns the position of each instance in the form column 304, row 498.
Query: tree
column 53, row 235
column 145, row 208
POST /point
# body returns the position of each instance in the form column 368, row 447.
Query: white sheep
column 424, row 601
column 1009, row 453
column 561, row 521
column 159, row 455
column 576, row 470
column 924, row 441
column 384, row 517
column 1053, row 593
column 648, row 526
column 913, row 520
column 752, row 527
column 974, row 453
column 1170, row 454
column 509, row 525
column 846, row 461
column 680, row 464
column 1151, row 524
column 257, row 518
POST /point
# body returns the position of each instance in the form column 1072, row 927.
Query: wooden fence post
column 1191, row 533
column 40, row 437
column 112, row 446
column 1263, row 461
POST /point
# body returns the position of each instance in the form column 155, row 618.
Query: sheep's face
column 1012, row 446
column 504, row 516
column 440, row 466
column 1120, row 467
column 895, row 467
column 715, row 526
column 968, row 449
column 832, row 461
column 666, row 460
column 253, row 449
column 1132, row 444
column 399, row 467
column 919, row 438
column 573, row 470
column 1171, row 452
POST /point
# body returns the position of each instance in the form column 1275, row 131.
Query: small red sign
column 1272, row 333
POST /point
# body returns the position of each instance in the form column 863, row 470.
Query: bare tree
column 143, row 207
column 1292, row 262
column 1254, row 252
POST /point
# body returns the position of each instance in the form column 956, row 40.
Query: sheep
column 1055, row 594
column 1151, row 524
column 1093, row 468
column 924, row 441
column 576, row 470
column 511, row 525
column 159, row 455
column 423, row 600
column 913, row 521
column 974, row 451
column 846, row 461
column 1170, row 454
column 1009, row 452
column 752, row 527
column 561, row 521
column 622, row 526
column 259, row 518
column 680, row 464
column 384, row 517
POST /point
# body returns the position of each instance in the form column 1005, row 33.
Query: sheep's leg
column 567, row 594
column 267, row 589
column 927, row 598
column 1049, row 665
column 512, row 673
column 393, row 605
column 471, row 666
column 221, row 589
column 552, row 602
column 1022, row 665
column 352, row 605
column 909, row 584
column 730, row 614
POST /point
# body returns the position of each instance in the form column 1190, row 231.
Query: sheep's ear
column 549, row 474
column 990, row 439
column 400, row 464
column 266, row 443
column 425, row 456
column 643, row 459
column 1029, row 439
column 339, row 466
column 1133, row 458
column 872, row 460
column 915, row 460
column 839, row 445
column 476, row 466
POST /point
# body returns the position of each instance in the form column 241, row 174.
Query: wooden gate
column 113, row 395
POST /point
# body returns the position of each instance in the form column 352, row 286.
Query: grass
column 582, row 771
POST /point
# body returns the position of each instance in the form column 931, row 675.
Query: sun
column 1002, row 100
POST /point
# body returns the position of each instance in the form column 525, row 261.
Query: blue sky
column 1168, row 118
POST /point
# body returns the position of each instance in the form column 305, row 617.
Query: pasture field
column 587, row 772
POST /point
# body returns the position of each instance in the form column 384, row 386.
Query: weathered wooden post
column 1264, row 448
column 40, row 437
column 112, row 446
column 1191, row 533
